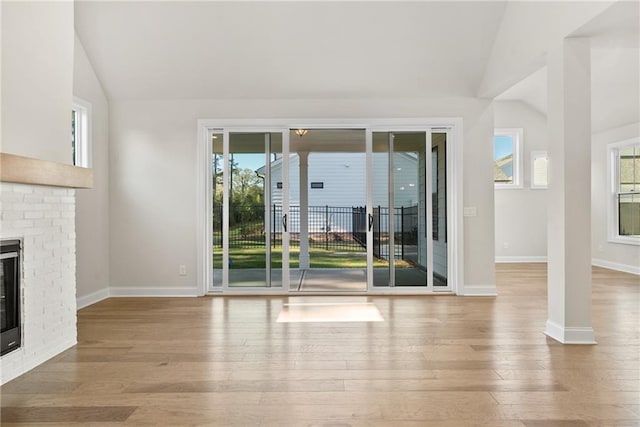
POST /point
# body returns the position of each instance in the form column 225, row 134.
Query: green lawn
column 320, row 258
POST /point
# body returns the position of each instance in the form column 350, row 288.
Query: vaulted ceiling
column 326, row 50
column 304, row 50
column 615, row 70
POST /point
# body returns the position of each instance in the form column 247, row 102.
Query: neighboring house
column 503, row 169
column 337, row 180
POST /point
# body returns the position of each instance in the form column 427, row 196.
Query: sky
column 503, row 145
column 249, row 161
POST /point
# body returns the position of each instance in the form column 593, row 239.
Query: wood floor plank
column 579, row 396
column 66, row 414
column 452, row 385
column 226, row 386
column 555, row 423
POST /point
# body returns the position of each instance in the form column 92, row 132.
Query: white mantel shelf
column 26, row 170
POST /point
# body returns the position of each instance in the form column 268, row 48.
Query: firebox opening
column 10, row 295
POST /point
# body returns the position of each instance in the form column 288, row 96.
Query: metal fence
column 405, row 231
column 329, row 227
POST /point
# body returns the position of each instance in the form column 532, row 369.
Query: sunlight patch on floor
column 328, row 309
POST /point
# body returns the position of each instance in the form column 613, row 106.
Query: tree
column 247, row 192
column 246, row 198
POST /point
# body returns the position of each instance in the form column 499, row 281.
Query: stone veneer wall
column 44, row 218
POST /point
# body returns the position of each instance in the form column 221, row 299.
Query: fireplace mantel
column 26, row 170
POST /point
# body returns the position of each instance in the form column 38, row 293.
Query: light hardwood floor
column 435, row 361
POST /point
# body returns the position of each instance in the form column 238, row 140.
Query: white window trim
column 83, row 132
column 536, row 155
column 612, row 189
column 517, row 134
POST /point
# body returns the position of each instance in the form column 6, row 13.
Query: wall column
column 304, row 209
column 569, row 212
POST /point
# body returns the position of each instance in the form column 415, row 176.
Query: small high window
column 80, row 133
column 624, row 207
column 507, row 158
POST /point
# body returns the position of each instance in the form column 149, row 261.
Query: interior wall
column 522, row 42
column 153, row 196
column 92, row 205
column 521, row 213
column 37, row 50
column 607, row 254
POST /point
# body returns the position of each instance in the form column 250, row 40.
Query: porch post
column 304, row 209
column 569, row 212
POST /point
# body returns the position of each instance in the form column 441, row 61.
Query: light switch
column 470, row 211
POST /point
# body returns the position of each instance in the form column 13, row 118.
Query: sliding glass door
column 352, row 210
column 327, row 187
column 247, row 233
column 409, row 209
column 439, row 201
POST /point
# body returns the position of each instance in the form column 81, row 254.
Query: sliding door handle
column 284, row 222
column 370, row 221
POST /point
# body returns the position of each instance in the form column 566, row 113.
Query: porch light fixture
column 301, row 132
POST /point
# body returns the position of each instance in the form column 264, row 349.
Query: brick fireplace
column 43, row 217
column 38, row 205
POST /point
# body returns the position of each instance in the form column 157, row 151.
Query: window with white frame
column 539, row 169
column 507, row 157
column 624, row 206
column 80, row 133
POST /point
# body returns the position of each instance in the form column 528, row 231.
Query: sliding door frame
column 451, row 126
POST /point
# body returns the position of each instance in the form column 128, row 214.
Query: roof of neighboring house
column 499, row 167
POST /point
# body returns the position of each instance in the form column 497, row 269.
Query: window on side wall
column 80, row 133
column 507, row 158
column 624, row 200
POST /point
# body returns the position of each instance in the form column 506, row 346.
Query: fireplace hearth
column 9, row 296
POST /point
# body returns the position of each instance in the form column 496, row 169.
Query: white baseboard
column 92, row 298
column 513, row 259
column 121, row 291
column 479, row 291
column 633, row 269
column 570, row 335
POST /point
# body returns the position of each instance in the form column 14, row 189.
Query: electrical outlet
column 182, row 270
column 505, row 245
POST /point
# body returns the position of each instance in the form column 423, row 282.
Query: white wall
column 606, row 254
column 527, row 30
column 153, row 181
column 92, row 205
column 521, row 214
column 37, row 53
